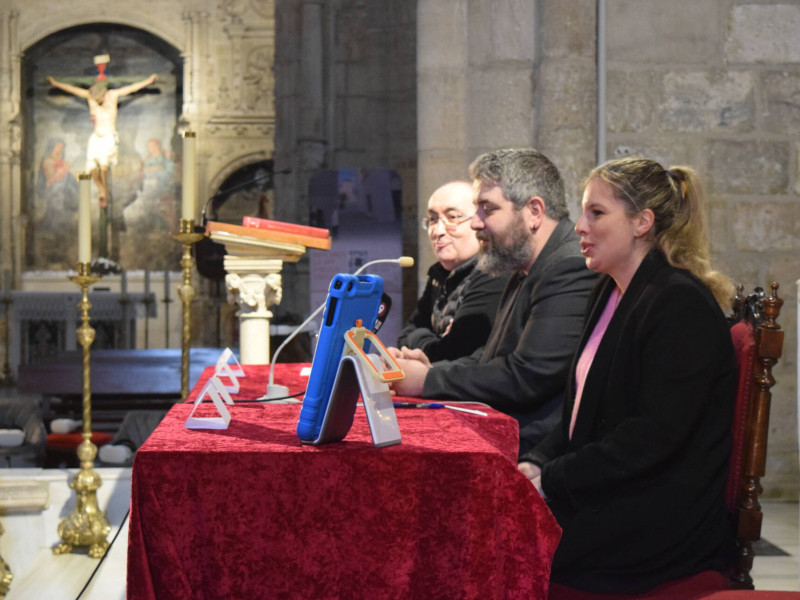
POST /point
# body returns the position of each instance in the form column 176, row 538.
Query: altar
column 43, row 324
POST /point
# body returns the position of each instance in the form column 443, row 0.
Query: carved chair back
column 758, row 342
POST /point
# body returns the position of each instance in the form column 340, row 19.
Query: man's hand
column 447, row 329
column 415, row 354
column 395, row 352
column 415, row 366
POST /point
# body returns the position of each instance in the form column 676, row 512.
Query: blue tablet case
column 350, row 298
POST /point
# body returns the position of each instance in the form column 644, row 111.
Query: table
column 249, row 512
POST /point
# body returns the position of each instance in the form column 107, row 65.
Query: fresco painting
column 133, row 219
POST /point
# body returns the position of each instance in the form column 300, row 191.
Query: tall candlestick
column 147, row 281
column 87, row 524
column 124, row 282
column 166, row 284
column 189, row 179
column 84, row 218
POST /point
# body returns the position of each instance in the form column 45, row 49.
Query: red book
column 270, row 234
column 283, row 227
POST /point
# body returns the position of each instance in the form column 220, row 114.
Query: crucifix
column 103, row 147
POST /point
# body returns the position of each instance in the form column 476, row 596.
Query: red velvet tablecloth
column 249, row 512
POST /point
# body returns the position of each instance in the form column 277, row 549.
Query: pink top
column 589, row 350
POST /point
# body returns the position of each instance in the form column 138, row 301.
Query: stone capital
column 255, row 292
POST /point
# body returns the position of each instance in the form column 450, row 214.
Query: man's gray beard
column 515, row 255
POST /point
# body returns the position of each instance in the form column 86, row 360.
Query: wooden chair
column 758, row 343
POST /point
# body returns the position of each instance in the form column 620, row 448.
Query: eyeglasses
column 450, row 222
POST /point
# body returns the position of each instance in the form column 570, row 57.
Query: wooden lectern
column 253, row 263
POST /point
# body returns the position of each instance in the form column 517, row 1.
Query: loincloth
column 102, row 151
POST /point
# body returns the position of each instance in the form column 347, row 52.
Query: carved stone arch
column 227, row 170
column 243, row 187
column 175, row 36
column 245, row 190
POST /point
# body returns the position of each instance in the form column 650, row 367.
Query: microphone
column 281, row 391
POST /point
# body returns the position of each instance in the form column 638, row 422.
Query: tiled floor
column 40, row 574
column 781, row 530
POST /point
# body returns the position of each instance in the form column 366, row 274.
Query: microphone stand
column 275, row 391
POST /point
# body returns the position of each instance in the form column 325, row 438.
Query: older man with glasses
column 456, row 311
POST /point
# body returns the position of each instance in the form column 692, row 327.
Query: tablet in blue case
column 350, row 298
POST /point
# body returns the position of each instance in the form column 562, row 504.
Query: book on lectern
column 284, row 227
column 309, row 241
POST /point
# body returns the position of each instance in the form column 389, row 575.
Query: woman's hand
column 534, row 473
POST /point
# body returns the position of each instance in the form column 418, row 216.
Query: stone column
column 10, row 145
column 255, row 284
column 474, row 93
column 311, row 124
column 565, row 95
column 253, row 266
column 442, row 90
column 195, row 68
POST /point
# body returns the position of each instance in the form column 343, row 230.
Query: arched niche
column 247, row 191
column 170, row 30
column 145, row 182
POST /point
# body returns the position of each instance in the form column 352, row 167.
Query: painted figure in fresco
column 156, row 195
column 101, row 153
column 56, row 187
column 158, row 167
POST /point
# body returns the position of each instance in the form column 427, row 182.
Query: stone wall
column 504, row 73
column 715, row 84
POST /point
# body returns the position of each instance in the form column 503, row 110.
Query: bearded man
column 522, row 224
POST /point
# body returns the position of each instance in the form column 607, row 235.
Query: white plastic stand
column 231, row 372
column 362, row 373
column 214, row 389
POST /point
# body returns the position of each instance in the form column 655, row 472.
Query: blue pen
column 418, row 405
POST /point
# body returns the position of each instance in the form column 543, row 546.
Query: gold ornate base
column 86, row 525
column 5, row 574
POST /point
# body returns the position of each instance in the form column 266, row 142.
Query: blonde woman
column 635, row 474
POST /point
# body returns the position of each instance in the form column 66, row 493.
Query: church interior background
column 279, row 91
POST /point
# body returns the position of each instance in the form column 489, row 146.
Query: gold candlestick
column 6, row 577
column 87, row 525
column 147, row 302
column 187, row 237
